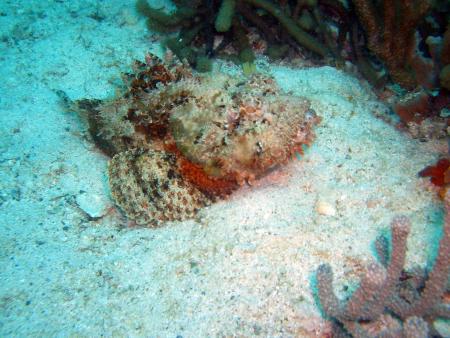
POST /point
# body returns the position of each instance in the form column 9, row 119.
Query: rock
column 325, row 208
column 95, row 205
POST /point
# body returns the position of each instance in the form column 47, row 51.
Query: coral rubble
column 180, row 140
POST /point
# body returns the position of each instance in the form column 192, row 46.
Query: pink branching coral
column 390, row 301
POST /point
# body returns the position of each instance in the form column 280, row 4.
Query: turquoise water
column 73, row 265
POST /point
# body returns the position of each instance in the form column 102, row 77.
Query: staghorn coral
column 385, row 304
column 180, row 140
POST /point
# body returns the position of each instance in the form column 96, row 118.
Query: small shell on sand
column 325, row 208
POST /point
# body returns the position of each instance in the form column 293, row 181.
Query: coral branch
column 365, row 312
column 330, row 303
column 390, row 36
column 438, row 277
column 225, row 15
column 293, row 29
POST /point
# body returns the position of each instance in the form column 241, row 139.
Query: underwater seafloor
column 70, row 265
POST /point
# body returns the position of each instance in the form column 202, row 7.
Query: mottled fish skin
column 147, row 188
column 238, row 130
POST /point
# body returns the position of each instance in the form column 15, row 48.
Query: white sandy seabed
column 243, row 267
